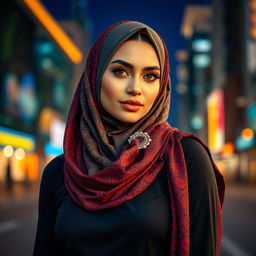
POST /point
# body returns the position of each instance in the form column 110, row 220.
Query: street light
column 19, row 153
column 8, row 151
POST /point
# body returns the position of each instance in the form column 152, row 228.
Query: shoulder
column 56, row 162
column 199, row 165
column 192, row 147
column 52, row 180
column 53, row 170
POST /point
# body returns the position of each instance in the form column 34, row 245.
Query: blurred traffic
column 42, row 59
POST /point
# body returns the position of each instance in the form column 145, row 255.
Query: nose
column 134, row 87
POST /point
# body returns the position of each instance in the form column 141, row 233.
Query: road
column 239, row 218
column 18, row 217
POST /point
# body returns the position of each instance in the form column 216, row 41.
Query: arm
column 45, row 243
column 203, row 199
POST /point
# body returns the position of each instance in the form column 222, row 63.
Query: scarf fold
column 100, row 175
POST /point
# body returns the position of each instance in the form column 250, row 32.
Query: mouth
column 132, row 102
column 131, row 105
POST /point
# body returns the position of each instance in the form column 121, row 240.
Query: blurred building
column 220, row 88
column 196, row 28
column 41, row 63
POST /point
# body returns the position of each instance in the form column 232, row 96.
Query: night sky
column 162, row 15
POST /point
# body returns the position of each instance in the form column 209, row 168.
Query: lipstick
column 131, row 105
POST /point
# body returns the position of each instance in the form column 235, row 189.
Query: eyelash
column 154, row 75
column 115, row 71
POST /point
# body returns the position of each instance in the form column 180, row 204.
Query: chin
column 128, row 120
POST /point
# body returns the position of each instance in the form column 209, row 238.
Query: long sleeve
column 65, row 228
column 45, row 243
column 203, row 199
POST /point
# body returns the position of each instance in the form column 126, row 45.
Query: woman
column 128, row 183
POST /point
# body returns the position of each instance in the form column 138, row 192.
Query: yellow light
column 215, row 121
column 8, row 151
column 252, row 5
column 253, row 33
column 247, row 134
column 19, row 153
column 16, row 141
column 62, row 39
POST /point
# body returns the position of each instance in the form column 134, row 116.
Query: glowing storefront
column 18, row 159
column 39, row 66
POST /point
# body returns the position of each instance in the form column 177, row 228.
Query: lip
column 132, row 102
column 131, row 105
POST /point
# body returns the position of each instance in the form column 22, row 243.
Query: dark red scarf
column 123, row 177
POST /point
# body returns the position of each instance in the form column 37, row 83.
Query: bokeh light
column 8, row 151
column 247, row 134
column 19, row 153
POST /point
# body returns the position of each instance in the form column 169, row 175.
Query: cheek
column 152, row 94
column 110, row 89
column 106, row 88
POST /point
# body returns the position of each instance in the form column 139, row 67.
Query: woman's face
column 131, row 81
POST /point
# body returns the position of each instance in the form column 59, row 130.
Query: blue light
column 18, row 133
column 242, row 144
column 50, row 150
column 201, row 45
column 251, row 113
column 197, row 122
column 44, row 48
column 201, row 60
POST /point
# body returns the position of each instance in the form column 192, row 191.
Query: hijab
column 101, row 168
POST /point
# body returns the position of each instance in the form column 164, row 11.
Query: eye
column 120, row 72
column 151, row 77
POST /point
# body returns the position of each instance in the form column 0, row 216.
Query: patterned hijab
column 101, row 169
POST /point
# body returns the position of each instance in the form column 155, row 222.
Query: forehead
column 137, row 52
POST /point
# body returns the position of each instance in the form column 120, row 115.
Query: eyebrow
column 129, row 65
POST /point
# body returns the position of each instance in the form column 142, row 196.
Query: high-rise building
column 196, row 29
column 221, row 81
column 41, row 63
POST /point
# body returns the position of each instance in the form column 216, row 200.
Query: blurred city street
column 19, row 216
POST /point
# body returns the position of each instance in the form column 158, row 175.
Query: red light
column 253, row 18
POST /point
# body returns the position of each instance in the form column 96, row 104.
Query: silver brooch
column 144, row 139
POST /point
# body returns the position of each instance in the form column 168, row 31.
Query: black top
column 139, row 227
